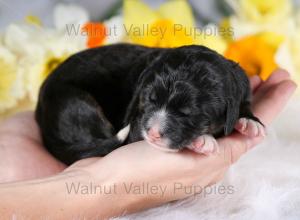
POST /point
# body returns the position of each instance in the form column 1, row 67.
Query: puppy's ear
column 232, row 115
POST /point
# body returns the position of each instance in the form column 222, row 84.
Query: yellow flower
column 8, row 76
column 171, row 25
column 266, row 10
column 254, row 55
column 39, row 69
column 211, row 40
column 34, row 20
column 53, row 53
column 272, row 39
column 29, row 52
column 254, row 16
column 164, row 27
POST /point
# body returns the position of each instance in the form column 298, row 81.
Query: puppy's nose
column 154, row 134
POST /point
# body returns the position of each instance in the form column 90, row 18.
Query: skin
column 24, row 160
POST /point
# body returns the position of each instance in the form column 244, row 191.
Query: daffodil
column 8, row 79
column 103, row 33
column 171, row 25
column 211, row 39
column 164, row 27
column 262, row 11
column 69, row 14
column 254, row 55
column 254, row 16
column 288, row 54
column 30, row 52
column 39, row 70
column 95, row 32
column 115, row 30
column 284, row 58
column 39, row 51
column 76, row 21
column 295, row 55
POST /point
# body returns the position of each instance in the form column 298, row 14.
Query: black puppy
column 173, row 98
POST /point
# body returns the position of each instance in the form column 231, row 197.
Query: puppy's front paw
column 205, row 144
column 250, row 128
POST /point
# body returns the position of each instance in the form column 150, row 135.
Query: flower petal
column 210, row 40
column 138, row 18
column 8, row 75
column 137, row 13
column 116, row 32
column 179, row 11
column 65, row 14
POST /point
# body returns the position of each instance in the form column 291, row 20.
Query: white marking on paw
column 205, row 144
column 123, row 133
column 250, row 128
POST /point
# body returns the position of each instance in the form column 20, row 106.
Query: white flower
column 115, row 30
column 254, row 16
column 22, row 38
column 67, row 14
column 39, row 51
column 288, row 56
column 28, row 53
column 295, row 52
column 283, row 58
column 242, row 28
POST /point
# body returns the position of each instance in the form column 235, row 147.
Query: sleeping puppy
column 103, row 98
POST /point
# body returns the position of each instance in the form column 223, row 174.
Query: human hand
column 22, row 154
column 138, row 163
column 24, row 157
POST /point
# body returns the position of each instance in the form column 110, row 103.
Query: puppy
column 102, row 98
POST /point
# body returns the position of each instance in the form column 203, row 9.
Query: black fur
column 95, row 93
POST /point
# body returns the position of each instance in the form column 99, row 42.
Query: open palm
column 23, row 156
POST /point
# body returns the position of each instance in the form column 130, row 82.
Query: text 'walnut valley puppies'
column 103, row 98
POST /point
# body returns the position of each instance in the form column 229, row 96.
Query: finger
column 274, row 101
column 276, row 77
column 255, row 81
column 234, row 146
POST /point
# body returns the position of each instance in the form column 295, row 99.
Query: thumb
column 234, row 146
column 273, row 101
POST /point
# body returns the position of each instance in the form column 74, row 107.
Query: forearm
column 55, row 198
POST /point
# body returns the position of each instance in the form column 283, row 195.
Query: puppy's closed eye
column 153, row 97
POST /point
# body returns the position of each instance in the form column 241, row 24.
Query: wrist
column 100, row 193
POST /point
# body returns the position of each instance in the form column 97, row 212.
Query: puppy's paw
column 205, row 144
column 250, row 128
